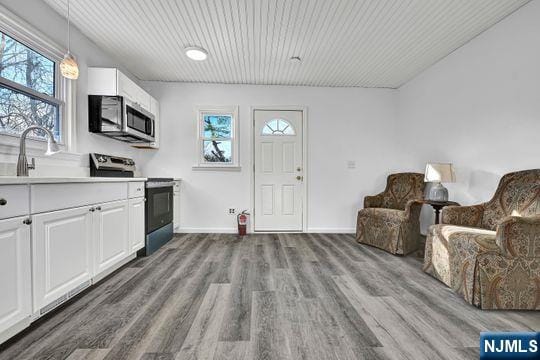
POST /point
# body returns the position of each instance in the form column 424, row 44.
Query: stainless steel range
column 158, row 193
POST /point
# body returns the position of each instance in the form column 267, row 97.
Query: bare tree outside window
column 217, row 142
column 19, row 109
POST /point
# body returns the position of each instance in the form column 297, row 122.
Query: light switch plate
column 351, row 164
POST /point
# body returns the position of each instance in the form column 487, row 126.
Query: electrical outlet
column 232, row 211
column 351, row 164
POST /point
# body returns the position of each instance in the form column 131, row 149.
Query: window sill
column 217, row 168
column 10, row 146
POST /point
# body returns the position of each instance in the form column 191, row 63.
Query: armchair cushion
column 450, row 253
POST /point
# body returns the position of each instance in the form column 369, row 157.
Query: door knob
column 3, row 202
column 299, row 169
column 299, row 177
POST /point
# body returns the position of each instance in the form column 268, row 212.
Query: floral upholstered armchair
column 490, row 253
column 390, row 220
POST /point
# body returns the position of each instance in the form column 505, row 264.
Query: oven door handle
column 158, row 184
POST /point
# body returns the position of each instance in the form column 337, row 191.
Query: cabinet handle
column 27, row 221
column 3, row 202
column 98, row 208
column 139, row 189
column 92, row 209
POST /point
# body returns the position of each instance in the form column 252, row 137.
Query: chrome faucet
column 52, row 148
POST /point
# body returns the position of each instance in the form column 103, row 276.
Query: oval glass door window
column 278, row 127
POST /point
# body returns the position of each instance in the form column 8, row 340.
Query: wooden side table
column 437, row 206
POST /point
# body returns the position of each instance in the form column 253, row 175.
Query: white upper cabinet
column 111, row 81
column 15, row 274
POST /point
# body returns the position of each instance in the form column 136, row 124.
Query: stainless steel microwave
column 120, row 118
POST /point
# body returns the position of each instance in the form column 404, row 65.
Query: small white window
column 217, row 144
column 278, row 127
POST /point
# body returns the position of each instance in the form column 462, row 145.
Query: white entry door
column 279, row 170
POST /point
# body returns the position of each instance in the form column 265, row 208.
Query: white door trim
column 304, row 111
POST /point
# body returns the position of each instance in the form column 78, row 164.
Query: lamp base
column 438, row 193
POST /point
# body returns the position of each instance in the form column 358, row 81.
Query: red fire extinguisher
column 243, row 218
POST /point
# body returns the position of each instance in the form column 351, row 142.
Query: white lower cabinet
column 50, row 256
column 111, row 224
column 136, row 224
column 15, row 276
column 62, row 255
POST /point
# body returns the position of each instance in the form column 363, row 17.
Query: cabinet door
column 62, row 255
column 129, row 89
column 176, row 211
column 136, row 224
column 15, row 268
column 126, row 87
column 111, row 234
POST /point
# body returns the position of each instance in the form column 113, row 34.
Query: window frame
column 64, row 92
column 235, row 158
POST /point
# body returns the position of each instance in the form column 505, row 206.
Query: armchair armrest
column 463, row 215
column 413, row 208
column 373, row 201
column 519, row 236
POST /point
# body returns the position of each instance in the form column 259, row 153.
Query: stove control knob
column 101, row 159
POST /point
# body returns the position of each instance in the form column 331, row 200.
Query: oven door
column 159, row 205
column 138, row 122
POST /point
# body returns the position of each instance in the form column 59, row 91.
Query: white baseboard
column 234, row 230
column 332, row 230
column 185, row 230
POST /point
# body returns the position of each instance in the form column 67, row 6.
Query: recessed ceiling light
column 196, row 53
column 295, row 59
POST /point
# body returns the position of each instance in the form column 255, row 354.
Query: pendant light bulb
column 68, row 67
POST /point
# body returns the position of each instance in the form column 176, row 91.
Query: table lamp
column 437, row 173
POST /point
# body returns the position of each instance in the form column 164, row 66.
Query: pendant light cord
column 68, row 32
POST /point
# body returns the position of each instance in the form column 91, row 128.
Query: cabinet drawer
column 15, row 199
column 51, row 197
column 135, row 189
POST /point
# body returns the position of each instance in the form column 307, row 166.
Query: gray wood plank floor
column 286, row 296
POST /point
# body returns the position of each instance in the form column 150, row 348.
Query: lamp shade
column 69, row 67
column 439, row 172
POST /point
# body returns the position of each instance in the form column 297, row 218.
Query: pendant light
column 68, row 66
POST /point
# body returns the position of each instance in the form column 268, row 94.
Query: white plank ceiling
column 366, row 43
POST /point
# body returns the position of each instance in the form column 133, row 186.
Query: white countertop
column 7, row 180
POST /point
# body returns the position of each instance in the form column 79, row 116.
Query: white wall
column 343, row 124
column 49, row 23
column 478, row 108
